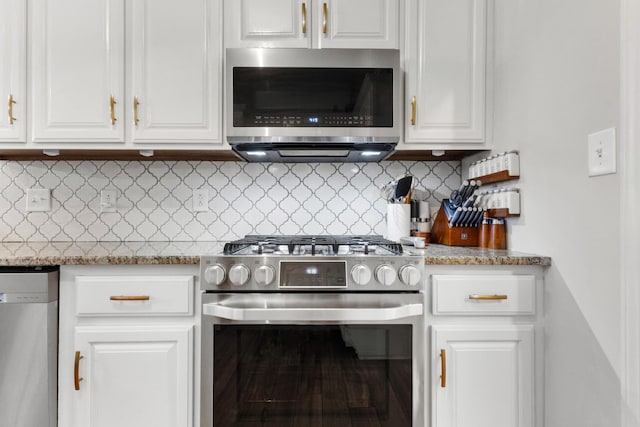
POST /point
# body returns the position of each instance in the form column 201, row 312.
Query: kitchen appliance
column 313, row 105
column 300, row 330
column 28, row 346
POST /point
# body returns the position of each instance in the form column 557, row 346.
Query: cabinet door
column 77, row 70
column 446, row 72
column 273, row 23
column 13, row 70
column 356, row 24
column 488, row 376
column 134, row 376
column 174, row 65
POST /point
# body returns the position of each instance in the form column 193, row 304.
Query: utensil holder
column 398, row 221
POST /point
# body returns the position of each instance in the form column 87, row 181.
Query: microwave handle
column 305, row 314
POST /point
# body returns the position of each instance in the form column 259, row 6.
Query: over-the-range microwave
column 312, row 105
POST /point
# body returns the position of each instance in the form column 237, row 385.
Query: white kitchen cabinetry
column 127, row 346
column 355, row 24
column 446, row 60
column 486, row 347
column 77, row 70
column 152, row 81
column 13, row 71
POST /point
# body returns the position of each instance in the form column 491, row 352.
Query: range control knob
column 215, row 275
column 410, row 275
column 239, row 274
column 385, row 275
column 361, row 274
column 264, row 275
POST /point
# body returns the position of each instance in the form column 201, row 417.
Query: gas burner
column 322, row 245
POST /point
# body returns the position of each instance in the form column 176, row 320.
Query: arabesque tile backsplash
column 154, row 199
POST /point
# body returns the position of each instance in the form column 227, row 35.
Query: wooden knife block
column 452, row 236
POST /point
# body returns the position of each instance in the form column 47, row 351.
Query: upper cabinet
column 174, row 71
column 155, row 78
column 353, row 24
column 446, row 63
column 77, row 84
column 13, row 71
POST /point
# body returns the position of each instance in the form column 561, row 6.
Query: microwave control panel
column 312, row 120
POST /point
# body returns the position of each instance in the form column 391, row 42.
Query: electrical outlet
column 602, row 152
column 108, row 201
column 38, row 200
column 200, row 200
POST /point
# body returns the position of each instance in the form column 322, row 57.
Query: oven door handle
column 311, row 312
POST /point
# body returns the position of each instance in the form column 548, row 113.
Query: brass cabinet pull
column 304, row 18
column 413, row 111
column 11, row 102
column 76, row 375
column 129, row 298
column 112, row 107
column 443, row 367
column 324, row 18
column 475, row 297
column 135, row 110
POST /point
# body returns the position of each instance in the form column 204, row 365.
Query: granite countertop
column 149, row 253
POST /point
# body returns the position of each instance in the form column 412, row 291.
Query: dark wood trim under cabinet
column 427, row 155
column 127, row 155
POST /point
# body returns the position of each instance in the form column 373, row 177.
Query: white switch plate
column 602, row 152
column 38, row 200
column 200, row 200
column 108, row 201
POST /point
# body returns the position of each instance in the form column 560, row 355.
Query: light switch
column 38, row 199
column 602, row 152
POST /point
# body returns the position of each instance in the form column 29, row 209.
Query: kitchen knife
column 463, row 218
column 455, row 218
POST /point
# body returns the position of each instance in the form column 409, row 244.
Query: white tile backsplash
column 154, row 198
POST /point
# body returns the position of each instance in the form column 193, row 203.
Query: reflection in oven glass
column 301, row 376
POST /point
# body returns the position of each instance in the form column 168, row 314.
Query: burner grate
column 360, row 243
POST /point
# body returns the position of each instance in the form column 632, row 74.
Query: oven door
column 303, row 359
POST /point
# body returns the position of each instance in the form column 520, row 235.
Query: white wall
column 556, row 81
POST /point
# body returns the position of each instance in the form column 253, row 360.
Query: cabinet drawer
column 484, row 294
column 134, row 295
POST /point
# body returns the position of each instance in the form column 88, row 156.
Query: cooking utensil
column 403, row 189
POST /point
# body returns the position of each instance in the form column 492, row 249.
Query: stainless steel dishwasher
column 28, row 346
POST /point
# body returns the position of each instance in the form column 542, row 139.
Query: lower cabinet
column 485, row 376
column 486, row 355
column 127, row 347
column 133, row 376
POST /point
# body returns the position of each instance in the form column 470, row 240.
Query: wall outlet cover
column 602, row 152
column 108, row 201
column 200, row 200
column 38, row 200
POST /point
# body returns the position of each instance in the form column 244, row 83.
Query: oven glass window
column 312, row 97
column 292, row 375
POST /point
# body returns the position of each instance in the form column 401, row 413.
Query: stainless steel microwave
column 312, row 105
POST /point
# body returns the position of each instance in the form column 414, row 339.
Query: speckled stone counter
column 128, row 253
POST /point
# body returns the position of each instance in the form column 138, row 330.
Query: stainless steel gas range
column 312, row 330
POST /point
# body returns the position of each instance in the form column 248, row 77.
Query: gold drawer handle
column 304, row 18
column 474, row 297
column 129, row 298
column 443, row 367
column 11, row 102
column 76, row 367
